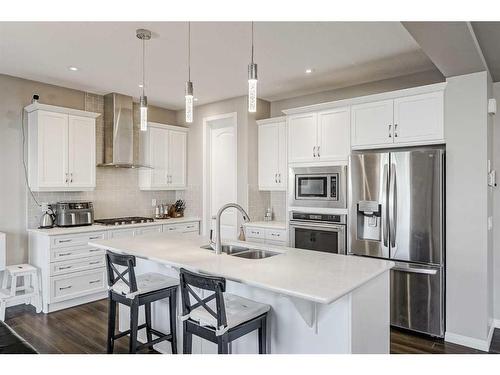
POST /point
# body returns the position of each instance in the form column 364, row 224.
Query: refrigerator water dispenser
column 369, row 220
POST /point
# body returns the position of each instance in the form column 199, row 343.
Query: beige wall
column 398, row 83
column 15, row 94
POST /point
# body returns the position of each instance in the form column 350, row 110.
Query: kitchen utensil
column 47, row 220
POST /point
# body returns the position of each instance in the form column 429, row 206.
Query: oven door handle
column 330, row 227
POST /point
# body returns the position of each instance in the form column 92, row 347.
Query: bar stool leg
column 5, row 279
column 134, row 322
column 147, row 313
column 111, row 324
column 3, row 305
column 262, row 336
column 187, row 340
column 172, row 304
column 13, row 286
column 222, row 344
column 26, row 286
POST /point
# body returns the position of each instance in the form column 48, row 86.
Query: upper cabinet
column 61, row 148
column 164, row 149
column 272, row 162
column 319, row 137
column 404, row 121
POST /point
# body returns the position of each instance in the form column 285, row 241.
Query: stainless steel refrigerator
column 396, row 206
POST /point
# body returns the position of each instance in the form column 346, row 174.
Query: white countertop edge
column 58, row 231
column 288, row 293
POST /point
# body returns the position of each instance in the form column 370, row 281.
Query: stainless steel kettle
column 47, row 220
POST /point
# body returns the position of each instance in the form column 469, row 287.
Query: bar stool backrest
column 114, row 274
column 210, row 283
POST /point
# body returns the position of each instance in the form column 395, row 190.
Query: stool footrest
column 124, row 333
column 155, row 341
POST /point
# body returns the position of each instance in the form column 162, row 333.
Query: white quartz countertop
column 56, row 231
column 266, row 224
column 309, row 275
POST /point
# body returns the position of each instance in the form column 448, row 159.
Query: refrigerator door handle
column 425, row 271
column 385, row 224
column 392, row 205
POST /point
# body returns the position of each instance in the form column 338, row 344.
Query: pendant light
column 252, row 83
column 189, row 84
column 143, row 35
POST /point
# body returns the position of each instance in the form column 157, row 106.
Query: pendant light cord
column 252, row 42
column 143, row 65
column 189, row 51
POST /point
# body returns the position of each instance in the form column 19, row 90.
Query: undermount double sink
column 244, row 252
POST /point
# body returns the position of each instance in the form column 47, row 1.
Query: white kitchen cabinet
column 372, row 123
column 272, row 155
column 61, row 148
column 302, row 137
column 404, row 121
column 334, row 135
column 419, row 118
column 319, row 137
column 262, row 234
column 164, row 149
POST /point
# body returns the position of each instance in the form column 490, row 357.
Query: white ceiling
column 108, row 56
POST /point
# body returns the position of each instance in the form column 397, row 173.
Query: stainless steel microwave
column 318, row 187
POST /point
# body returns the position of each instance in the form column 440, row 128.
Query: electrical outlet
column 153, row 202
column 45, row 206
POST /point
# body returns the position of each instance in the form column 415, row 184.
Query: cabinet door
column 158, row 151
column 268, row 144
column 122, row 233
column 419, row 118
column 177, row 155
column 282, row 156
column 52, row 150
column 302, row 138
column 333, row 134
column 372, row 123
column 81, row 151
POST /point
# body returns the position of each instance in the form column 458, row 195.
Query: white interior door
column 177, row 158
column 158, row 156
column 53, row 149
column 223, row 159
column 81, row 150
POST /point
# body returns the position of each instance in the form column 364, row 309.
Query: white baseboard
column 472, row 342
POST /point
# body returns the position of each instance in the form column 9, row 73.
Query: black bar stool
column 126, row 288
column 221, row 317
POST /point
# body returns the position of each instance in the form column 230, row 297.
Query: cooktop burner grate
column 125, row 220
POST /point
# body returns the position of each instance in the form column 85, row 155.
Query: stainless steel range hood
column 119, row 132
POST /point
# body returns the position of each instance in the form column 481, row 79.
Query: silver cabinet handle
column 94, row 262
column 425, row 271
column 395, row 130
column 64, row 254
column 66, row 177
column 390, row 133
column 65, row 287
column 314, row 151
column 279, row 178
column 94, row 238
column 318, row 151
column 92, row 250
column 65, row 267
column 275, row 178
column 94, row 281
column 71, row 178
column 61, row 241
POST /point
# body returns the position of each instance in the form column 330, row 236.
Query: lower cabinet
column 277, row 237
column 72, row 272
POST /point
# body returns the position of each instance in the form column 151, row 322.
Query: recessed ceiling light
column 309, row 71
column 73, row 68
column 140, row 85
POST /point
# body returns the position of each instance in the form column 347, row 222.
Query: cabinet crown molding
column 57, row 109
column 367, row 98
column 168, row 127
column 271, row 120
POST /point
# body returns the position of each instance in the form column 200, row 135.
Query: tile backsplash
column 117, row 190
column 278, row 205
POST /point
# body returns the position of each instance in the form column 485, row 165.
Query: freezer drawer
column 417, row 298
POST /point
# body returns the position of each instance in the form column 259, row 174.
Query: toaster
column 72, row 214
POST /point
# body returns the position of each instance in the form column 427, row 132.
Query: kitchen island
column 320, row 303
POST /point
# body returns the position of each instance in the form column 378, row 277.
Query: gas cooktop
column 124, row 220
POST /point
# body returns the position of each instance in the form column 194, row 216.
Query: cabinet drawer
column 148, row 230
column 74, row 265
column 181, row 228
column 276, row 235
column 75, row 240
column 276, row 243
column 191, row 227
column 74, row 252
column 77, row 284
column 255, row 233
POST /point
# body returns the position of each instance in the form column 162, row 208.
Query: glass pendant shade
column 189, row 102
column 252, row 87
column 143, row 101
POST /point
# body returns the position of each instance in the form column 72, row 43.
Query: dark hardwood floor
column 82, row 329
